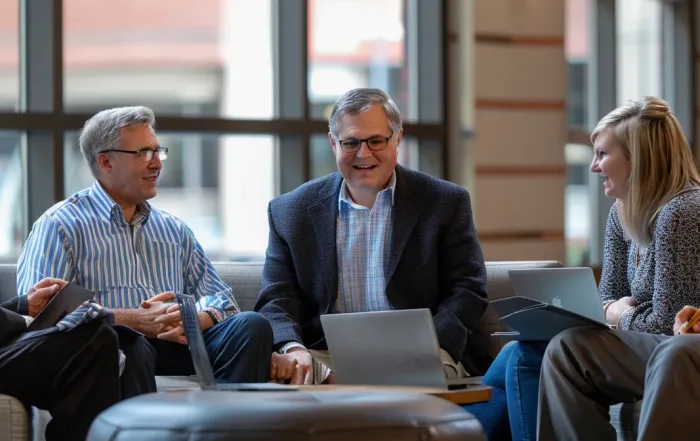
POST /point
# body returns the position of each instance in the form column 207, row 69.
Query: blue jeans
column 515, row 380
column 239, row 349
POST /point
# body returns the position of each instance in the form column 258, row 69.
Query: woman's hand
column 615, row 310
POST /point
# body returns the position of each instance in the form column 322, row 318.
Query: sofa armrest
column 14, row 420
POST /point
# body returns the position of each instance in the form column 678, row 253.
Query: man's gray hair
column 361, row 100
column 101, row 132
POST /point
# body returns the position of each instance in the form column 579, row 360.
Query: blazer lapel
column 324, row 215
column 407, row 210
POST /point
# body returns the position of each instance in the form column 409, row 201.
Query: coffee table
column 469, row 395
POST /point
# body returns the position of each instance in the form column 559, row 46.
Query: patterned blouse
column 663, row 277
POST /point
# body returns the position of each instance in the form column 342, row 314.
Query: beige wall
column 518, row 173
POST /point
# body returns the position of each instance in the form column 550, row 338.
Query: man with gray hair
column 373, row 236
column 134, row 257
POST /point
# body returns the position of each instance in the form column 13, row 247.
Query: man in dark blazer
column 73, row 374
column 373, row 236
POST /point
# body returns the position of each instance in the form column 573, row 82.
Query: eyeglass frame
column 366, row 141
column 142, row 153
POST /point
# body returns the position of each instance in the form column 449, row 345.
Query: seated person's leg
column 584, row 371
column 74, row 375
column 139, row 372
column 171, row 358
column 240, row 348
column 522, row 388
column 672, row 390
column 493, row 414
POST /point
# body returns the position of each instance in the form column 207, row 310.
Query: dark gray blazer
column 435, row 262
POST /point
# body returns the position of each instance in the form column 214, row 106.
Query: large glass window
column 577, row 51
column 212, row 58
column 578, row 156
column 11, row 195
column 639, row 62
column 9, row 54
column 213, row 183
column 356, row 43
column 208, row 71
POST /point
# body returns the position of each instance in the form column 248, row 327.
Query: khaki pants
column 323, row 367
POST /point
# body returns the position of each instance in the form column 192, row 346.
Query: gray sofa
column 245, row 279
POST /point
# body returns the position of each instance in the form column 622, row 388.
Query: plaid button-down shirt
column 363, row 241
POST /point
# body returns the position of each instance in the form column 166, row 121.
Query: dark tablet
column 63, row 303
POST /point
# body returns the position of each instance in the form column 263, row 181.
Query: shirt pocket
column 163, row 261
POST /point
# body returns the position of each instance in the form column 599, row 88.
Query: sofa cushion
column 245, row 279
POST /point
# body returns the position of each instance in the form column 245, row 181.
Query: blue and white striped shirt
column 363, row 242
column 86, row 240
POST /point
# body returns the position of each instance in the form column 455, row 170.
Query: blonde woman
column 651, row 269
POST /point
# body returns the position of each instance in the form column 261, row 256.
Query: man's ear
column 104, row 163
column 332, row 141
column 399, row 137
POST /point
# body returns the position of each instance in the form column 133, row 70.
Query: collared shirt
column 87, row 240
column 363, row 241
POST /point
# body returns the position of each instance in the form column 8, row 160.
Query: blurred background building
column 498, row 96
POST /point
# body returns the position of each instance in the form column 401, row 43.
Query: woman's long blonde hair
column 661, row 163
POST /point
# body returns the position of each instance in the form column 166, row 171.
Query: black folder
column 532, row 320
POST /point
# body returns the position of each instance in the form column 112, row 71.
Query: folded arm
column 614, row 283
column 676, row 274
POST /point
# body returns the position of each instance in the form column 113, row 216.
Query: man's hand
column 174, row 331
column 176, row 335
column 283, row 367
column 304, row 369
column 683, row 316
column 162, row 297
column 40, row 294
column 144, row 318
column 616, row 309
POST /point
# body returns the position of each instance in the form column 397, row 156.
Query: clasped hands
column 159, row 318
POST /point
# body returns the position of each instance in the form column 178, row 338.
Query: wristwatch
column 214, row 314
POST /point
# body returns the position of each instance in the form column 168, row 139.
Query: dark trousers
column 74, row 375
column 239, row 350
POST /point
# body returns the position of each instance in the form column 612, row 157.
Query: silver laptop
column 573, row 289
column 398, row 348
column 200, row 358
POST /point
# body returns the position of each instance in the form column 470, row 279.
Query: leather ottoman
column 288, row 416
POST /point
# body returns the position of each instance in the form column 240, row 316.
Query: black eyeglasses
column 375, row 143
column 145, row 154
